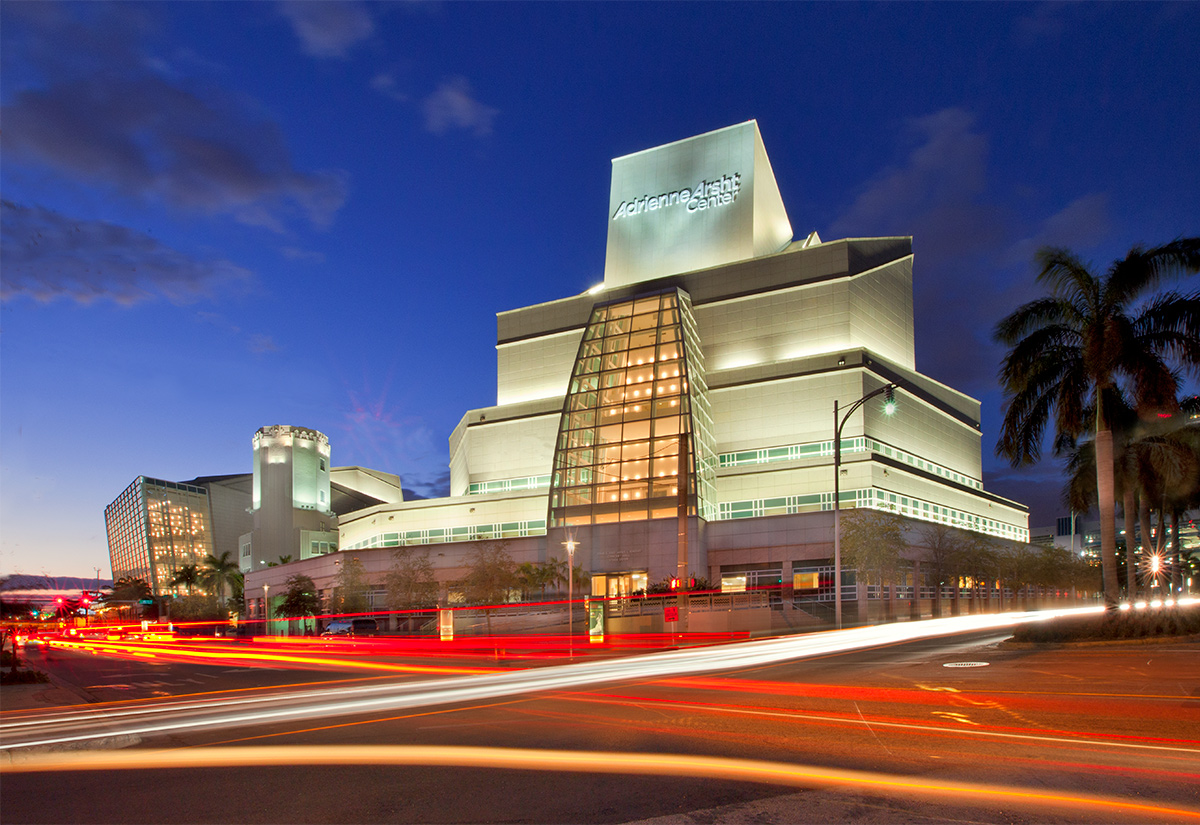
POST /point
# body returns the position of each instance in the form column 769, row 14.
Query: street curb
column 1193, row 639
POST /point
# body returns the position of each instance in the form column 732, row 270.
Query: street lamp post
column 570, row 544
column 267, row 609
column 889, row 407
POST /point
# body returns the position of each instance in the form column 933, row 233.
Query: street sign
column 145, row 601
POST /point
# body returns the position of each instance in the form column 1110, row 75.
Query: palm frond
column 1143, row 268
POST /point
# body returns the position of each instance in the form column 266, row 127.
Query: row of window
column 876, row 499
column 813, row 449
column 439, row 535
column 767, row 455
column 508, row 485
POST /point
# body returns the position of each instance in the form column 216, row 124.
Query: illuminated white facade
column 707, row 300
column 291, row 500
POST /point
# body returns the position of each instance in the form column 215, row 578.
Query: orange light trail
column 252, row 655
column 561, row 761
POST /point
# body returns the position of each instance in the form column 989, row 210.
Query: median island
column 1130, row 624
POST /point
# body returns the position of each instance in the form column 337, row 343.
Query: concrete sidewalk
column 42, row 695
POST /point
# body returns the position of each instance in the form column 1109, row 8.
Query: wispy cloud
column 452, row 106
column 308, row 256
column 1082, row 223
column 47, row 256
column 937, row 184
column 256, row 343
column 1044, row 23
column 385, row 83
column 328, row 29
column 105, row 116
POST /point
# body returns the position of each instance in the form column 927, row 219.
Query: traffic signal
column 674, row 584
column 889, row 400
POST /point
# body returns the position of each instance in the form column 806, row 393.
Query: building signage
column 707, row 194
column 692, row 205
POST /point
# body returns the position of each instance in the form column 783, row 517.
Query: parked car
column 352, row 627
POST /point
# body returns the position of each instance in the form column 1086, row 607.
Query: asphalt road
column 1122, row 723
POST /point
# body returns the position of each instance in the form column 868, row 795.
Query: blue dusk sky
column 218, row 216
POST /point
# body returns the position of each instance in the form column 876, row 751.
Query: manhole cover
column 965, row 664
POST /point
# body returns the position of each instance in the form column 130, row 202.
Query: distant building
column 155, row 527
column 296, row 501
column 288, row 506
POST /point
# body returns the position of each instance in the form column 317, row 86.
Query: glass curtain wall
column 637, row 398
column 177, row 525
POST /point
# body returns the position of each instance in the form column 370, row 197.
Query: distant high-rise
column 155, row 527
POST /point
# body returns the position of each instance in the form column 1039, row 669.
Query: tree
column 1058, row 567
column 300, row 599
column 946, row 549
column 127, row 591
column 1017, row 566
column 528, row 578
column 1073, row 351
column 1154, row 466
column 554, row 573
column 410, row 582
column 220, row 572
column 198, row 608
column 350, row 591
column 189, row 576
column 873, row 542
column 282, row 560
column 492, row 576
column 982, row 564
column 129, row 588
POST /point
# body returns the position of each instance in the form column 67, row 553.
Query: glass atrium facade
column 636, row 412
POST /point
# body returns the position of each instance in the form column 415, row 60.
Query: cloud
column 260, row 344
column 257, row 343
column 328, row 29
column 1044, row 25
column 109, row 119
column 46, row 256
column 1082, row 223
column 946, row 169
column 293, row 253
column 451, row 106
column 385, row 84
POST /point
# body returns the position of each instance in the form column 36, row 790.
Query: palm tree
column 554, row 573
column 189, row 576
column 1073, row 351
column 218, row 572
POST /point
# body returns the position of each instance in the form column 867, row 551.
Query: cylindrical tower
column 291, row 502
column 291, row 469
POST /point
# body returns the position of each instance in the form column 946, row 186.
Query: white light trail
column 326, row 702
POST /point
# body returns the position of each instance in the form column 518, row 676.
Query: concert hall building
column 679, row 417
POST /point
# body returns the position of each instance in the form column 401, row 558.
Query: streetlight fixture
column 570, row 544
column 889, row 407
